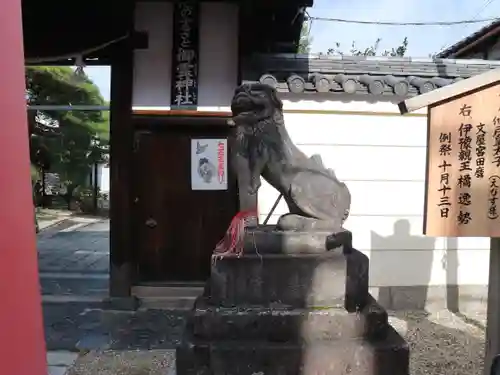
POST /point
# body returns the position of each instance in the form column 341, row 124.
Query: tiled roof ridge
column 396, row 76
column 317, row 56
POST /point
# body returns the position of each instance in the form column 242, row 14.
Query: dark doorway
column 176, row 228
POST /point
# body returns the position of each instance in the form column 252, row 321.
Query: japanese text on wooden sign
column 463, row 166
column 185, row 54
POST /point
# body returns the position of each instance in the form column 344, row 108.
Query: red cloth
column 233, row 241
column 22, row 344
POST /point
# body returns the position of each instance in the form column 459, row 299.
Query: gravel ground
column 440, row 343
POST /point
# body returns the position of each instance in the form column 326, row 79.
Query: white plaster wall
column 218, row 56
column 153, row 66
column 103, row 178
column 382, row 160
column 218, row 71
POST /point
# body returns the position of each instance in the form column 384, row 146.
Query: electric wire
column 390, row 23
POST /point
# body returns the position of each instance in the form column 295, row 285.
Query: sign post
column 463, row 174
column 21, row 329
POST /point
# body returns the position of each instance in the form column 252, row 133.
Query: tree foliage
column 305, row 39
column 305, row 42
column 373, row 50
column 66, row 142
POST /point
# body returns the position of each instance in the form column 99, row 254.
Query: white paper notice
column 209, row 164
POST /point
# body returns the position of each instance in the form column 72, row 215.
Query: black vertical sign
column 184, row 92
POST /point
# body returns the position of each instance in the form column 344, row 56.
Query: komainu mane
column 316, row 199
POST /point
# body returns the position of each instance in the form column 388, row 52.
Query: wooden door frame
column 158, row 121
column 173, row 125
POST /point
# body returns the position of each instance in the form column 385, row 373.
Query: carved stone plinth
column 290, row 312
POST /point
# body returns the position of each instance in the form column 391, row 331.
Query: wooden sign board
column 185, row 56
column 463, row 166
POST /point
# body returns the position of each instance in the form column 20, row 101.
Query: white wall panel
column 381, row 158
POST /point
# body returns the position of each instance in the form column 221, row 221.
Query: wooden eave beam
column 138, row 40
column 467, row 48
column 275, row 34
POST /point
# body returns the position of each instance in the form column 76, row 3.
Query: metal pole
column 96, row 187
column 64, row 107
column 273, row 208
column 21, row 325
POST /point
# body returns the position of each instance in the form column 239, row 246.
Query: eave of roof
column 488, row 31
column 63, row 34
column 400, row 77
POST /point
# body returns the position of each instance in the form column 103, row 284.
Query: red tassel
column 233, row 241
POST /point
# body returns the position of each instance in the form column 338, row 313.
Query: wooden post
column 121, row 141
column 492, row 346
column 21, row 327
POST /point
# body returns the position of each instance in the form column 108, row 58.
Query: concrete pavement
column 81, row 247
column 60, row 361
column 74, row 263
column 74, row 259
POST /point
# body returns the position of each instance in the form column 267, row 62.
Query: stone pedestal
column 294, row 311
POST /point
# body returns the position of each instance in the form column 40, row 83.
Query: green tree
column 67, row 142
column 305, row 42
column 372, row 50
column 305, row 39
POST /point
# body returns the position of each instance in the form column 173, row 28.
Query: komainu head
column 258, row 116
column 254, row 102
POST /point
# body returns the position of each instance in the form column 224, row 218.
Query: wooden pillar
column 21, row 327
column 246, row 200
column 121, row 141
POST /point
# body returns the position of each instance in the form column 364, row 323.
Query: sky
column 423, row 40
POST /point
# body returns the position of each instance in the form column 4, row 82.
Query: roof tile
column 420, row 74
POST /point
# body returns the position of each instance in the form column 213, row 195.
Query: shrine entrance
column 175, row 227
column 138, row 47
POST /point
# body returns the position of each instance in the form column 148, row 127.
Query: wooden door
column 176, row 228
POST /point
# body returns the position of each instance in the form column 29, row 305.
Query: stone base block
column 353, row 357
column 265, row 239
column 331, row 279
column 284, row 324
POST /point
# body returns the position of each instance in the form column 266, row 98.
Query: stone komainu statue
column 316, row 199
